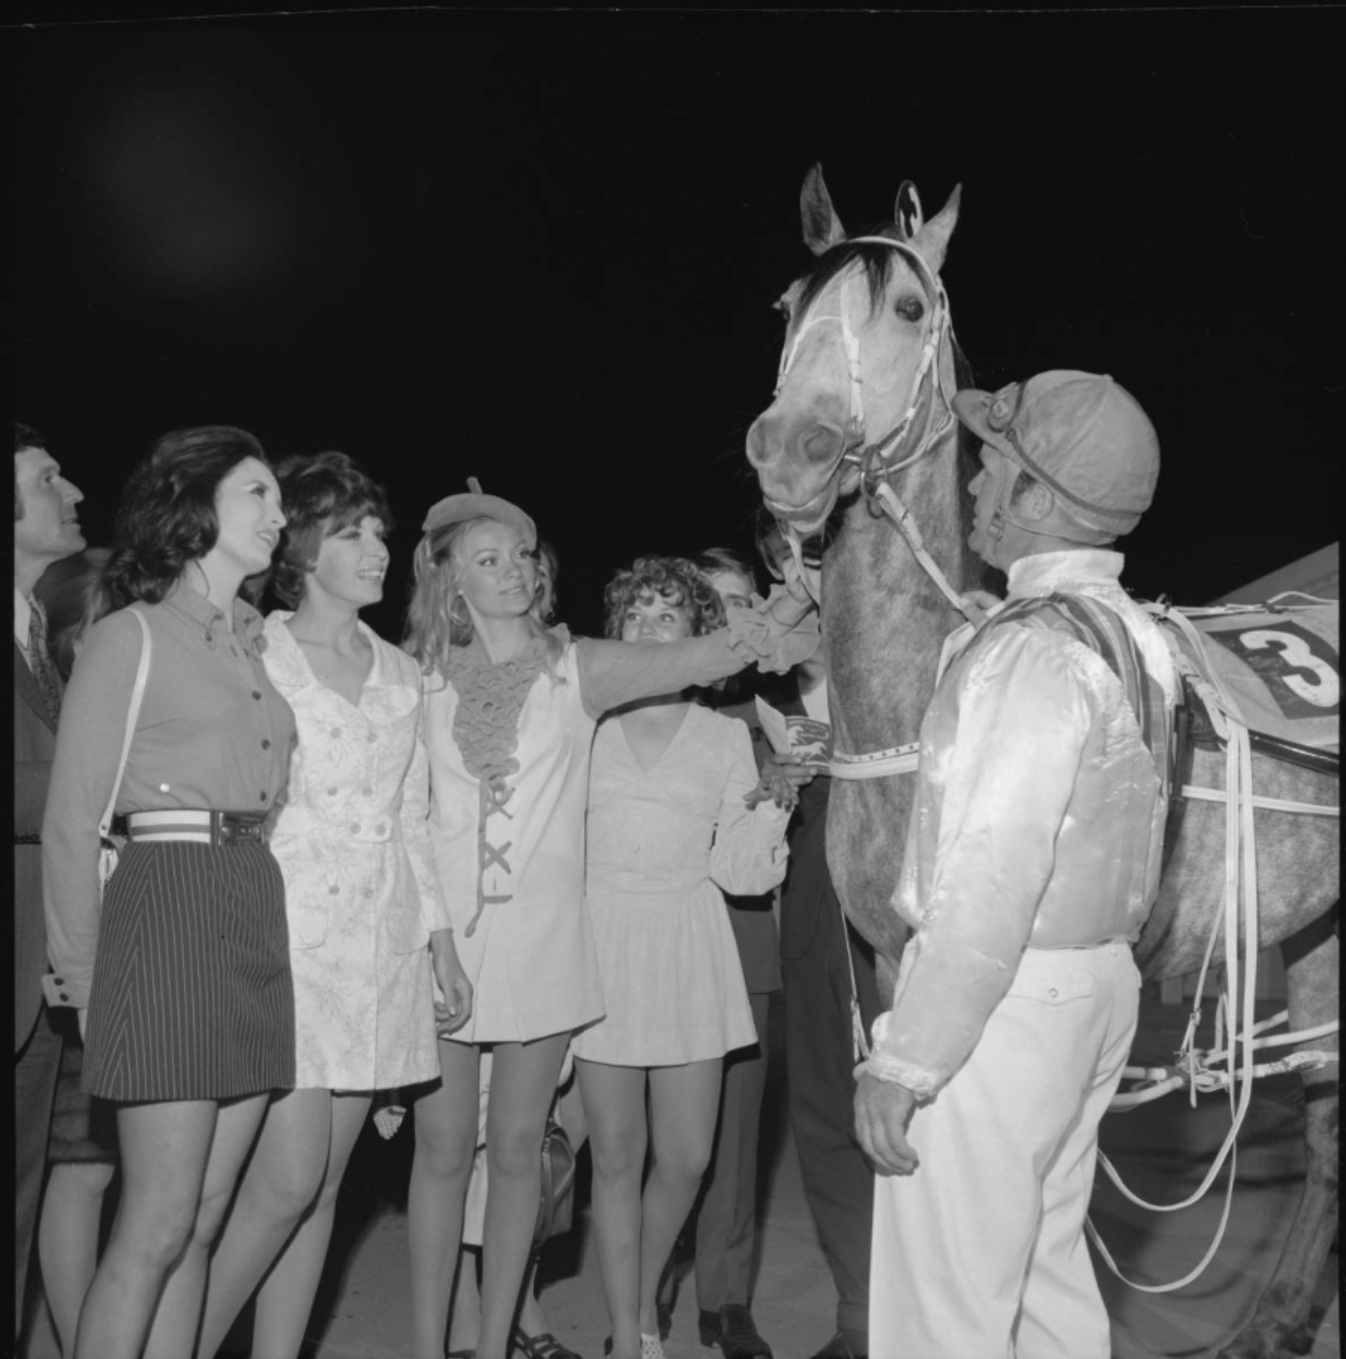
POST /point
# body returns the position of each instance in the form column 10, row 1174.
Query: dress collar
column 189, row 600
column 1044, row 573
column 284, row 651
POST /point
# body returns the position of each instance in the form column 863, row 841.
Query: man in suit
column 46, row 529
column 822, row 958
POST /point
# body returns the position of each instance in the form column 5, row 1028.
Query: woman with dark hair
column 184, row 970
column 511, row 708
column 370, row 936
column 670, row 830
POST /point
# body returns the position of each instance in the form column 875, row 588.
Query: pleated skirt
column 192, row 996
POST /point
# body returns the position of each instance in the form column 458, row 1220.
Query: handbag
column 110, row 845
column 556, row 1204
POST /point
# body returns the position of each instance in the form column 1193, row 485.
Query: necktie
column 39, row 658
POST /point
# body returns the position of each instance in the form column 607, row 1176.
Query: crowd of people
column 457, row 867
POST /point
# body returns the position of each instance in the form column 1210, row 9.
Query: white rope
column 1163, row 1080
column 1271, row 804
column 1240, row 889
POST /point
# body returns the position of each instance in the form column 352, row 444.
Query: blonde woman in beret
column 511, row 710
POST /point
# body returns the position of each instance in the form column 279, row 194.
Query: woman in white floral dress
column 368, row 924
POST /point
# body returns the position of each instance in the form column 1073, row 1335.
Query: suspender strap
column 1100, row 629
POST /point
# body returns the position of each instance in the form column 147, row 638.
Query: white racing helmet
column 1083, row 436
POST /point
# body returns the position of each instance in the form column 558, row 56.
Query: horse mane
column 977, row 573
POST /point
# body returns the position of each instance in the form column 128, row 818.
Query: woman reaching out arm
column 511, row 711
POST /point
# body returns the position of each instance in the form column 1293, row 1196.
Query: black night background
column 543, row 248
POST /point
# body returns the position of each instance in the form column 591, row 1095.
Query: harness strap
column 1101, row 629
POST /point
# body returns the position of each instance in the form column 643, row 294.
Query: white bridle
column 855, row 418
column 877, row 462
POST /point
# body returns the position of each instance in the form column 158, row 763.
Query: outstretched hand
column 882, row 1111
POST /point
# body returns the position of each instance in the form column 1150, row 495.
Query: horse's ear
column 822, row 226
column 932, row 239
column 907, row 214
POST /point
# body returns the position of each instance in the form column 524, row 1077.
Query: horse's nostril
column 821, row 443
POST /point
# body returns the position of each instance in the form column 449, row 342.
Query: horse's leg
column 1279, row 1326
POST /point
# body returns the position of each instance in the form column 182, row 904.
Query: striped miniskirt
column 192, row 996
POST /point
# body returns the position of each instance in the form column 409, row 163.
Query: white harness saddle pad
column 1281, row 665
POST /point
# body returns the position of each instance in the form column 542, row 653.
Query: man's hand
column 882, row 1111
column 781, row 778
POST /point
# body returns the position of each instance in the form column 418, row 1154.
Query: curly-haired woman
column 185, row 969
column 669, row 831
column 511, row 708
column 369, row 933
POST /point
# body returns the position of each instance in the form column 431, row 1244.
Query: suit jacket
column 34, row 746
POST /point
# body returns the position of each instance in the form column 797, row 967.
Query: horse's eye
column 909, row 308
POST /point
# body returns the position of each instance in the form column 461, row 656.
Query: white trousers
column 981, row 1253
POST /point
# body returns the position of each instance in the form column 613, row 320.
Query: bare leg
column 177, row 1323
column 277, row 1188
column 286, row 1296
column 523, row 1084
column 684, row 1102
column 67, row 1239
column 614, row 1100
column 166, row 1150
column 531, row 1317
column 446, row 1140
column 465, row 1310
column 570, row 1113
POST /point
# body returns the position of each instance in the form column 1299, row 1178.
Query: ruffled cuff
column 777, row 633
column 922, row 1081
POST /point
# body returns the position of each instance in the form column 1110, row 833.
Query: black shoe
column 708, row 1325
column 541, row 1346
column 845, row 1345
column 738, row 1336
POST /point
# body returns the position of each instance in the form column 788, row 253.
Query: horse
column 863, row 407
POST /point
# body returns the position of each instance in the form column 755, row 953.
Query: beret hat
column 474, row 504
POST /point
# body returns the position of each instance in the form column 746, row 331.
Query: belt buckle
column 231, row 827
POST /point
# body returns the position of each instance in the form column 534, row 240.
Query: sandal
column 541, row 1346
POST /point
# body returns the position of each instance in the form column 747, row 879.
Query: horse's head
column 863, row 332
